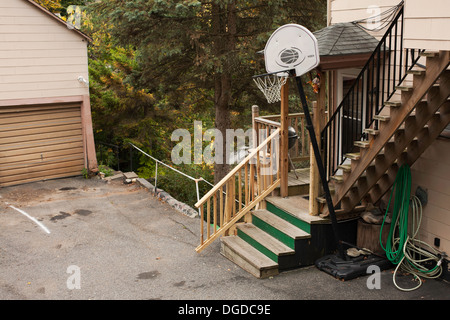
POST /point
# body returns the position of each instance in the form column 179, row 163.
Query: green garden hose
column 402, row 248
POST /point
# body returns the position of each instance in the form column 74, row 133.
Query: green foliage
column 156, row 66
column 181, row 187
column 85, row 173
column 177, row 43
column 105, row 170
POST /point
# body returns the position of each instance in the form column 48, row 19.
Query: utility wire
column 385, row 18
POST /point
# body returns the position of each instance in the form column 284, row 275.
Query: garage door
column 40, row 142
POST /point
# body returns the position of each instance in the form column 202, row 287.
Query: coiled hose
column 402, row 248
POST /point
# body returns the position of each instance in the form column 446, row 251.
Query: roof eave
column 38, row 6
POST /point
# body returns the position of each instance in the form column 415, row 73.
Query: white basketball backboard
column 291, row 46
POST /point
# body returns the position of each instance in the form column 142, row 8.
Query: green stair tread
column 296, row 206
column 281, row 224
column 265, row 239
column 249, row 253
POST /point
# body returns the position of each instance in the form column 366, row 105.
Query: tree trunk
column 224, row 22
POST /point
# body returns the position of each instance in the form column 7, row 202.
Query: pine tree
column 204, row 48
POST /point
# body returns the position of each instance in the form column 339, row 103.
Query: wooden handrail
column 268, row 122
column 277, row 116
column 242, row 191
column 237, row 168
column 300, row 151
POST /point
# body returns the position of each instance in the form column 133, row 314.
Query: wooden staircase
column 405, row 118
column 403, row 134
column 265, row 246
column 281, row 237
column 284, row 235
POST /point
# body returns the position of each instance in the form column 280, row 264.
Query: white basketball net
column 271, row 85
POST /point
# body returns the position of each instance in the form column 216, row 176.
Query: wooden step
column 294, row 209
column 362, row 144
column 353, row 156
column 383, row 118
column 404, row 88
column 337, row 178
column 247, row 257
column 278, row 227
column 416, row 72
column 435, row 69
column 276, row 247
column 345, row 167
column 395, row 104
column 373, row 132
column 321, row 200
column 429, row 54
column 437, row 123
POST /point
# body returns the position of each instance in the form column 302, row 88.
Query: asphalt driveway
column 78, row 239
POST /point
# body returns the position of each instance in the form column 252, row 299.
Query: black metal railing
column 385, row 70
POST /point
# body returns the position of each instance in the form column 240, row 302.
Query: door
column 351, row 116
column 40, row 142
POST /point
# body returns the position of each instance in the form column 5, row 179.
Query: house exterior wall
column 40, row 63
column 351, row 10
column 426, row 27
column 432, row 172
column 38, row 56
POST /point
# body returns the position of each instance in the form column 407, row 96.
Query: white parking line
column 31, row 218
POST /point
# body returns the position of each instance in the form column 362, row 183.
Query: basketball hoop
column 270, row 85
column 291, row 50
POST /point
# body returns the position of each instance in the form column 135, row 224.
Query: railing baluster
column 240, row 189
column 221, row 215
column 231, row 203
column 215, row 212
column 208, row 218
column 246, row 178
column 376, row 85
column 201, row 224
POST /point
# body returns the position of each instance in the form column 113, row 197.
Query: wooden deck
column 298, row 178
column 297, row 203
column 297, row 185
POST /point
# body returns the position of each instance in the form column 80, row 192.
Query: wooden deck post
column 255, row 114
column 314, row 183
column 284, row 149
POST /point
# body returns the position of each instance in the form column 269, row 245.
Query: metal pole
column 131, row 157
column 198, row 195
column 156, row 175
column 319, row 162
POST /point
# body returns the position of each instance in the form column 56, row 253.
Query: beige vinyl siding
column 427, row 24
column 351, row 10
column 39, row 57
column 432, row 172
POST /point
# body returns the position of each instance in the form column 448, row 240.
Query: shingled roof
column 344, row 39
